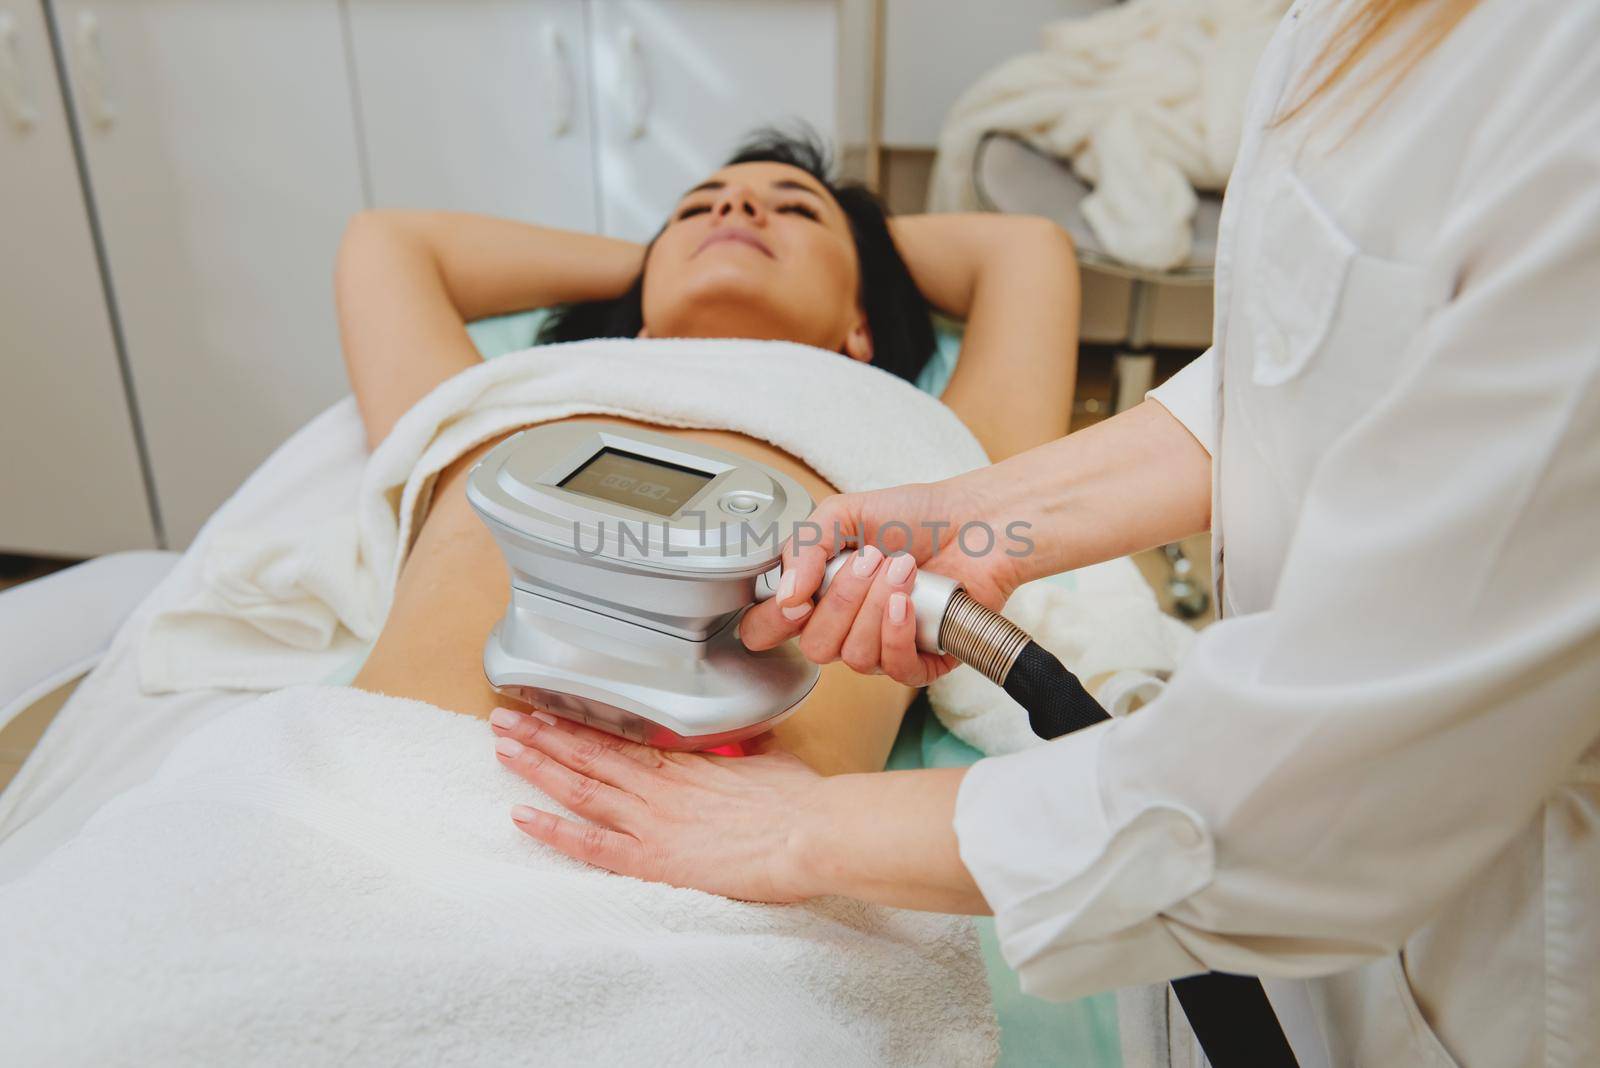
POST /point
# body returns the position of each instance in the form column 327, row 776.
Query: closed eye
column 801, row 209
column 693, row 210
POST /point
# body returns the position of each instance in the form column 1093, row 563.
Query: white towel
column 1146, row 98
column 327, row 876
column 293, row 602
column 1104, row 624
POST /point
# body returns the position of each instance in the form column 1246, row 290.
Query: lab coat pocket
column 1418, row 1043
column 1300, row 276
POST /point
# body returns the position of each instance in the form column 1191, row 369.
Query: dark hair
column 897, row 315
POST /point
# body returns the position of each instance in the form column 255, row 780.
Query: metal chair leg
column 1133, row 371
column 1132, row 375
column 1189, row 599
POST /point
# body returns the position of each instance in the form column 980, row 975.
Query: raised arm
column 1014, row 279
column 408, row 282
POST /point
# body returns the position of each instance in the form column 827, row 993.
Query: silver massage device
column 632, row 555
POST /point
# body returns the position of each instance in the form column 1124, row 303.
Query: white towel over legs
column 328, row 876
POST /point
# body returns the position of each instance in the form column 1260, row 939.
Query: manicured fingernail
column 897, row 607
column 866, row 561
column 900, row 568
column 504, row 717
column 543, row 717
column 797, row 611
column 523, row 813
column 508, row 747
column 786, row 586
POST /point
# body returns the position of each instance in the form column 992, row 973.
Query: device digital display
column 623, row 478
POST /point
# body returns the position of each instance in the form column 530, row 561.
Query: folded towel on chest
column 292, row 604
column 295, row 602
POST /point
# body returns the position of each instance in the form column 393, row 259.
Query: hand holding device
column 864, row 611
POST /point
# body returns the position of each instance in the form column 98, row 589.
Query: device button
column 740, row 503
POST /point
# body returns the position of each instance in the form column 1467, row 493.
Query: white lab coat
column 1380, row 771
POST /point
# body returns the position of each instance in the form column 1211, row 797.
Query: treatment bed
column 84, row 623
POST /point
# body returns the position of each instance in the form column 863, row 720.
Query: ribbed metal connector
column 981, row 637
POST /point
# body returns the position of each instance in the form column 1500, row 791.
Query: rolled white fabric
column 1145, row 98
column 328, row 876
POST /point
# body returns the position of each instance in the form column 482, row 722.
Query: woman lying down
column 328, row 874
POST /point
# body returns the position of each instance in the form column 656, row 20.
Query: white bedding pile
column 1105, row 625
column 329, row 876
column 1146, row 99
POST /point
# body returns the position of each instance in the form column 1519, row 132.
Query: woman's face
column 758, row 250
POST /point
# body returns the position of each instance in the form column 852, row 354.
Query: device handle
column 558, row 77
column 638, row 84
column 13, row 86
column 930, row 597
column 92, row 71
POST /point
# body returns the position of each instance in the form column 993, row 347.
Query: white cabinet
column 589, row 115
column 221, row 149
column 585, row 114
column 679, row 82
column 226, row 143
column 476, row 105
column 70, row 483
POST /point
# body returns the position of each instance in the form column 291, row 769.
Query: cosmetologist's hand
column 721, row 824
column 865, row 617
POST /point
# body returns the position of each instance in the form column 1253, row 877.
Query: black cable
column 1229, row 1014
column 1233, row 1020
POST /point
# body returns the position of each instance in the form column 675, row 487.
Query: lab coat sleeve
column 1321, row 776
column 1191, row 396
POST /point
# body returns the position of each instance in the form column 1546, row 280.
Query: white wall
column 937, row 48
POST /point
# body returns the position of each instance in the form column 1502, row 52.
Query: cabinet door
column 70, row 481
column 476, row 105
column 221, row 150
column 678, row 83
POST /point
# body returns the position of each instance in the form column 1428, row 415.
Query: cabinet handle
column 92, row 71
column 13, row 87
column 558, row 79
column 638, row 76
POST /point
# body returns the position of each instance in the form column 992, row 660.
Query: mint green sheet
column 1032, row 1032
